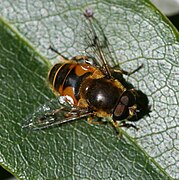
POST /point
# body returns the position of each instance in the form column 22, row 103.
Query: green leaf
column 139, row 33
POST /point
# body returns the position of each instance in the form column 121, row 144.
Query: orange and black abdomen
column 67, row 78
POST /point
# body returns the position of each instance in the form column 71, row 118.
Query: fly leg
column 128, row 125
column 61, row 55
column 86, row 59
column 121, row 71
column 78, row 58
column 117, row 127
column 91, row 121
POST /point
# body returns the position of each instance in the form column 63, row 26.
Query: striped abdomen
column 66, row 78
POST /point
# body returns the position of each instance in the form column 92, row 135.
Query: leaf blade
column 48, row 143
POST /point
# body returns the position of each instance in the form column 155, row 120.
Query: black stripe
column 53, row 72
column 61, row 76
column 75, row 81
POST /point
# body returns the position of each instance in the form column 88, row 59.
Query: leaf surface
column 138, row 33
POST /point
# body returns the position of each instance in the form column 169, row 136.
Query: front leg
column 121, row 71
column 128, row 125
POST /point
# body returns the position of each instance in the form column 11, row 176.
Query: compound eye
column 124, row 100
column 127, row 98
column 120, row 112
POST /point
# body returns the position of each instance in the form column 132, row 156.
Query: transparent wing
column 97, row 45
column 53, row 113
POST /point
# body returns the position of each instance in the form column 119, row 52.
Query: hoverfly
column 88, row 87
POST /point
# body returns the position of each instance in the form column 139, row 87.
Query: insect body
column 92, row 89
column 87, row 87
